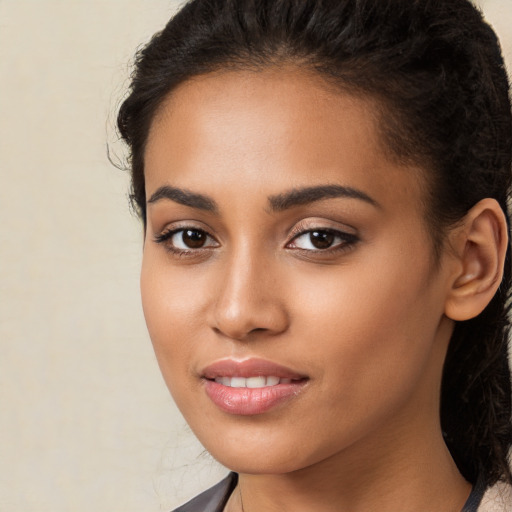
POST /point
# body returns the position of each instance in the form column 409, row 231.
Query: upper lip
column 252, row 367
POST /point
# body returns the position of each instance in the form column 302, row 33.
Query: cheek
column 373, row 325
column 173, row 309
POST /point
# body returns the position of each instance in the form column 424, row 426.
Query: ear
column 480, row 246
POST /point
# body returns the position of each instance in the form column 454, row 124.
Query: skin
column 365, row 320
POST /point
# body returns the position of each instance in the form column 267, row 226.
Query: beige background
column 86, row 423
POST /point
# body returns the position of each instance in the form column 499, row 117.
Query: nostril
column 239, row 335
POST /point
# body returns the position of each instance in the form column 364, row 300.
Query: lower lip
column 251, row 401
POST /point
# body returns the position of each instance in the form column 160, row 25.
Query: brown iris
column 194, row 238
column 321, row 239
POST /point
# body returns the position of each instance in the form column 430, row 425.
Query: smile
column 252, row 386
column 251, row 382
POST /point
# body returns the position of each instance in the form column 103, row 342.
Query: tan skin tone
column 367, row 316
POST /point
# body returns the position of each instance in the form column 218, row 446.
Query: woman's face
column 288, row 281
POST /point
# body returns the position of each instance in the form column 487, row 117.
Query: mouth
column 251, row 386
column 252, row 382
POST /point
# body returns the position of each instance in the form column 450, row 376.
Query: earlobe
column 482, row 242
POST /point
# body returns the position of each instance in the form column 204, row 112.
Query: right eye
column 186, row 239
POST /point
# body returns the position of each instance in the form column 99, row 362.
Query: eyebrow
column 278, row 203
column 184, row 197
column 300, row 196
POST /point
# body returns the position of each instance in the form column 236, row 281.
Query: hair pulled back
column 436, row 69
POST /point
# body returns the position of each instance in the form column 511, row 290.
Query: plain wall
column 86, row 422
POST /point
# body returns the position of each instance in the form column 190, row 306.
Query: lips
column 252, row 386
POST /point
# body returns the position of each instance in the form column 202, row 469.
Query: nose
column 249, row 300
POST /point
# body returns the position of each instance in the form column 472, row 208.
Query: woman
column 323, row 186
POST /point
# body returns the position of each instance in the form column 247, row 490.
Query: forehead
column 268, row 130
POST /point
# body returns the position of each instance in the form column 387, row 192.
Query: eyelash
column 166, row 236
column 348, row 240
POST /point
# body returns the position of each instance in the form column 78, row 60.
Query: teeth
column 272, row 381
column 251, row 382
column 238, row 382
column 256, row 382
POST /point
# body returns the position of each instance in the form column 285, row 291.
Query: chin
column 265, row 452
column 240, row 463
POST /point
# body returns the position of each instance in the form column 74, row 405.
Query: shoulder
column 212, row 500
column 497, row 498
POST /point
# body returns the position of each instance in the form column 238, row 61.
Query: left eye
column 321, row 239
column 187, row 239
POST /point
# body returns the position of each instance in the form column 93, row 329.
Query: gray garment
column 215, row 499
